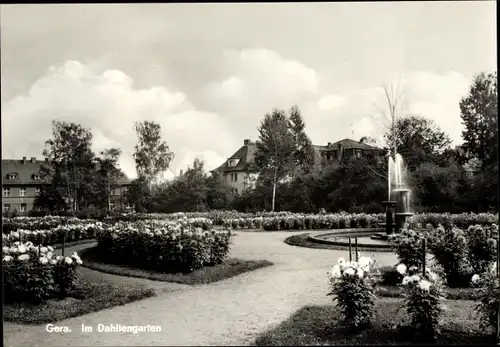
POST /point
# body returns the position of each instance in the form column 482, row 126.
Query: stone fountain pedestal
column 402, row 206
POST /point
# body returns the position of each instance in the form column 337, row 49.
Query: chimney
column 329, row 144
column 246, row 142
column 180, row 173
column 24, row 160
column 33, row 159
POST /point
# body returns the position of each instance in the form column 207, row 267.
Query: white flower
column 401, row 268
column 360, row 272
column 43, row 250
column 68, row 261
column 49, row 255
column 7, row 258
column 5, row 249
column 22, row 249
column 79, row 261
column 341, row 260
column 50, row 248
column 24, row 257
column 365, row 262
column 53, row 262
column 44, row 260
column 350, row 271
column 424, row 285
column 475, row 278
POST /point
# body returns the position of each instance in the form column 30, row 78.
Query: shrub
column 409, row 247
column 352, row 288
column 33, row 274
column 389, row 276
column 449, row 248
column 481, row 247
column 163, row 245
column 487, row 293
column 423, row 297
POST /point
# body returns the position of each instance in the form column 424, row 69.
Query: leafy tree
column 479, row 112
column 418, row 140
column 70, row 161
column 152, row 155
column 139, row 195
column 108, row 173
column 304, row 154
column 368, row 140
column 50, row 199
column 275, row 150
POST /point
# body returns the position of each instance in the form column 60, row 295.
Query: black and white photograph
column 250, row 174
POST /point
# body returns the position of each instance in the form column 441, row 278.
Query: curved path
column 229, row 312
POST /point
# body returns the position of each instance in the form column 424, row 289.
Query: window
column 38, row 208
column 358, row 154
column 233, row 162
column 234, row 177
column 23, row 208
column 111, row 206
column 36, row 177
column 6, row 192
column 37, row 190
column 234, row 191
column 11, row 176
column 6, row 207
column 22, row 191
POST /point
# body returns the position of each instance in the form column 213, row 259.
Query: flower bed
column 39, row 223
column 165, row 246
column 33, row 274
column 46, row 237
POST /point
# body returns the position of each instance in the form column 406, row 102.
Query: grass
column 302, row 240
column 93, row 293
column 94, row 259
column 317, row 325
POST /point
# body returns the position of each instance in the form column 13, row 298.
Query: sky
column 208, row 73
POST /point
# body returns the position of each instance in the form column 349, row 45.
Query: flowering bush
column 449, row 248
column 163, row 245
column 45, row 237
column 39, row 223
column 481, row 246
column 32, row 273
column 409, row 247
column 423, row 297
column 352, row 287
column 487, row 293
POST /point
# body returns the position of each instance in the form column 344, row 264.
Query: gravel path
column 229, row 312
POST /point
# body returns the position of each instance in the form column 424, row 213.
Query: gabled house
column 239, row 170
column 334, row 153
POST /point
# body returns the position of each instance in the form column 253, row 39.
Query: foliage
column 140, row 195
column 304, row 154
column 352, row 288
column 409, row 247
column 50, row 199
column 108, row 174
column 165, row 246
column 152, row 155
column 487, row 293
column 33, row 273
column 479, row 112
column 70, row 161
column 418, row 140
column 481, row 246
column 275, row 149
column 423, row 295
column 449, row 248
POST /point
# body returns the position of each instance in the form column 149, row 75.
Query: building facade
column 240, row 173
column 21, row 182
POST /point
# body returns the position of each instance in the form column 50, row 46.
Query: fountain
column 398, row 203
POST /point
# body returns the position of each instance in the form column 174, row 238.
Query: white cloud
column 108, row 104
column 331, row 101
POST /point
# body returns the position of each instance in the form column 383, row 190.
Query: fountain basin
column 340, row 237
column 401, row 190
column 404, row 214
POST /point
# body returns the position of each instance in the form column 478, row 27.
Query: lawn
column 94, row 259
column 93, row 292
column 316, row 325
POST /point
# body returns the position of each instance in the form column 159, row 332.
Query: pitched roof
column 246, row 154
column 27, row 169
column 351, row 144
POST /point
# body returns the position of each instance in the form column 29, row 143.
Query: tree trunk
column 274, row 189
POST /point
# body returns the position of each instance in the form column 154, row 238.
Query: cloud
column 331, row 101
column 108, row 104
